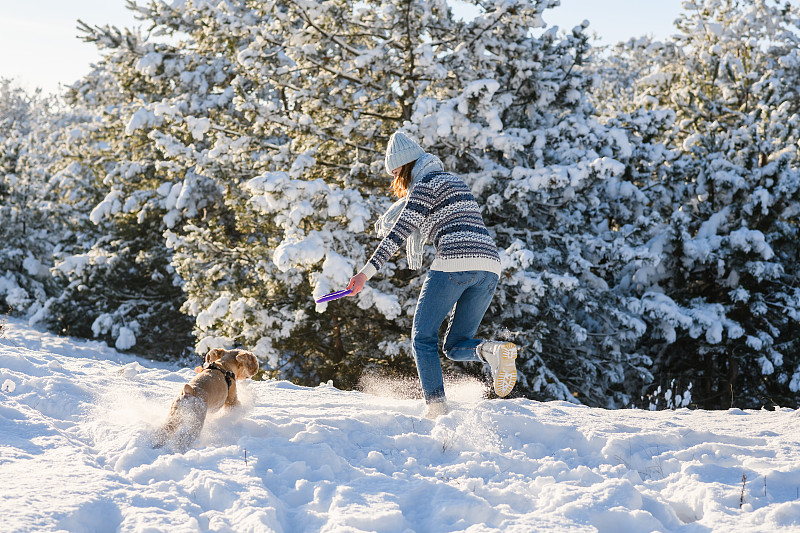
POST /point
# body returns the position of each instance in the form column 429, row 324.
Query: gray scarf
column 416, row 241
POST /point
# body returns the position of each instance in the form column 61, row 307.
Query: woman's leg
column 459, row 341
column 436, row 299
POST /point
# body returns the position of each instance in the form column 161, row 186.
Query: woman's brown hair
column 401, row 183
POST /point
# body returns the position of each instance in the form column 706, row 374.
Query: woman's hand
column 357, row 283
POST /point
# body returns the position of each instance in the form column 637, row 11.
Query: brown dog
column 211, row 390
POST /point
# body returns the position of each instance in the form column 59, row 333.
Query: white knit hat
column 401, row 150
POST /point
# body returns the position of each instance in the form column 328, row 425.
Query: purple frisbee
column 333, row 296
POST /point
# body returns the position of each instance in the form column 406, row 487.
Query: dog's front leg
column 232, row 400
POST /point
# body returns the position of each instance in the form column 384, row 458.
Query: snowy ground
column 74, row 455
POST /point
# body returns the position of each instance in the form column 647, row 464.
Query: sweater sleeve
column 420, row 203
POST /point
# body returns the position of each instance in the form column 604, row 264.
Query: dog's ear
column 248, row 363
column 214, row 354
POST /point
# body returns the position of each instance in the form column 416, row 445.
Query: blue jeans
column 468, row 295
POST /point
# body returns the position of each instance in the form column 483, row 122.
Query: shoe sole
column 506, row 376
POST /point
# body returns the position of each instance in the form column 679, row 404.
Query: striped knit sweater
column 442, row 207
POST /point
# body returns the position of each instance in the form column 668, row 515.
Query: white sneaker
column 501, row 357
column 436, row 409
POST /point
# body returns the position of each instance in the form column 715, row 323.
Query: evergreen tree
column 118, row 282
column 33, row 127
column 723, row 302
column 327, row 83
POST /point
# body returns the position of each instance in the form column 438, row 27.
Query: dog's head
column 241, row 362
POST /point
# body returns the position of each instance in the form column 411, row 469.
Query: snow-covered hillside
column 75, row 418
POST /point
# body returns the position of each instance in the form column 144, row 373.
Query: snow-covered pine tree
column 119, row 283
column 724, row 299
column 616, row 72
column 252, row 138
column 32, row 128
column 330, row 73
column 501, row 106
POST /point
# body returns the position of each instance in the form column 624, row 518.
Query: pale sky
column 39, row 46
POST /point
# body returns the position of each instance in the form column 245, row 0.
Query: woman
column 437, row 206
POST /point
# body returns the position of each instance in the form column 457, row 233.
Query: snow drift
column 75, row 419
